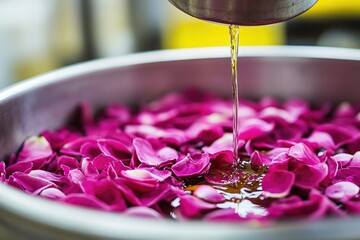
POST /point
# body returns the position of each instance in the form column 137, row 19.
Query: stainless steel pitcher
column 244, row 12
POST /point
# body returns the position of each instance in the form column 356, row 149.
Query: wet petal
column 196, row 164
column 278, row 184
column 223, row 145
column 209, row 194
column 308, row 176
column 258, row 159
column 342, row 191
column 304, row 154
column 191, row 206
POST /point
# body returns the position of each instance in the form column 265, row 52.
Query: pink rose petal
column 342, row 191
column 278, row 184
column 196, row 164
column 143, row 212
column 208, row 194
column 304, row 154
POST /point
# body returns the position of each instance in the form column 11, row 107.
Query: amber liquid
column 234, row 47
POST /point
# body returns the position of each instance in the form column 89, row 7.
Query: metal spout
column 244, row 12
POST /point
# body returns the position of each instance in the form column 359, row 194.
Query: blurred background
column 37, row 36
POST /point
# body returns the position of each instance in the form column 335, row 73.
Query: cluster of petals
column 138, row 163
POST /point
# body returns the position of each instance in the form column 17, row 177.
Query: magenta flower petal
column 208, row 194
column 75, row 176
column 140, row 180
column 167, row 154
column 160, row 175
column 85, row 200
column 52, row 193
column 143, row 212
column 103, row 161
column 349, row 174
column 304, row 154
column 140, row 174
column 355, row 162
column 277, row 114
column 322, row 139
column 278, row 184
column 342, row 191
column 88, row 168
column 72, row 148
column 294, row 207
column 333, row 168
column 280, row 162
column 90, row 150
column 59, row 138
column 172, row 136
column 2, row 171
column 30, row 184
column 191, row 165
column 35, row 150
column 254, row 128
column 53, row 177
column 191, row 206
column 258, row 159
column 130, row 196
column 118, row 167
column 115, row 149
column 342, row 159
column 222, row 146
column 353, row 207
column 71, row 162
column 205, row 132
column 24, row 167
column 339, row 134
column 309, row 176
column 146, row 153
column 106, row 191
column 162, row 192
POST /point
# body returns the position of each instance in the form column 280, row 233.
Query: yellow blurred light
column 196, row 33
column 334, row 8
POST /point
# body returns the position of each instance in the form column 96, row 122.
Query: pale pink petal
column 342, row 191
column 208, row 194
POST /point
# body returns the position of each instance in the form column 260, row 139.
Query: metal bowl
column 48, row 101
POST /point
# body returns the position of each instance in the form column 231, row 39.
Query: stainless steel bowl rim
column 109, row 225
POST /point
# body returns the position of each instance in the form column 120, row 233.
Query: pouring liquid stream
column 234, row 47
column 239, row 182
